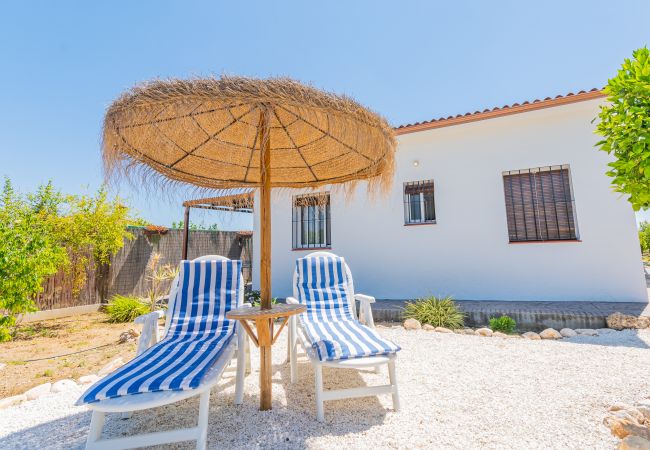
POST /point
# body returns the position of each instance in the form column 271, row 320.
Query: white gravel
column 457, row 392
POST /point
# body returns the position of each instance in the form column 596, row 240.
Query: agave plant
column 439, row 312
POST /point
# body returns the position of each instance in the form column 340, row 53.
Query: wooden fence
column 126, row 274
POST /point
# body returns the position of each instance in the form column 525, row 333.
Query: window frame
column 311, row 219
column 539, row 198
column 424, row 185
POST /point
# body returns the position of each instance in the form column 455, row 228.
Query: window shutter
column 539, row 204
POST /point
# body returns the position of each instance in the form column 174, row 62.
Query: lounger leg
column 96, row 426
column 248, row 356
column 289, row 340
column 204, row 410
column 393, row 383
column 293, row 349
column 241, row 369
column 320, row 409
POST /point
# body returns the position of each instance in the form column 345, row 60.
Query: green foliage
column 255, row 298
column 47, row 231
column 136, row 221
column 29, row 251
column 195, row 226
column 625, row 126
column 644, row 236
column 439, row 312
column 504, row 324
column 125, row 309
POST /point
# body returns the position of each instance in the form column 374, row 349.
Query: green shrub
column 125, row 309
column 255, row 298
column 504, row 324
column 439, row 312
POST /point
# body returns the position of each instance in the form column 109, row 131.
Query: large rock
column 622, row 428
column 586, row 332
column 64, row 385
column 645, row 412
column 111, row 366
column 412, row 324
column 619, row 321
column 38, row 391
column 550, row 333
column 483, row 332
column 443, row 330
column 643, row 322
column 87, row 379
column 428, row 327
column 634, row 443
column 568, row 332
column 11, row 401
column 531, row 335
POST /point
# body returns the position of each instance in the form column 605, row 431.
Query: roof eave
column 500, row 112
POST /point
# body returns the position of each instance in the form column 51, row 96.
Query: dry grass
column 57, row 337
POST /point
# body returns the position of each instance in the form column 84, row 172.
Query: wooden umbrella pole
column 265, row 212
column 265, row 325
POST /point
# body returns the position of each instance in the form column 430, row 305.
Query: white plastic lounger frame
column 129, row 403
column 297, row 335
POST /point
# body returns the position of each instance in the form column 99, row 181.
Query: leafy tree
column 644, row 236
column 195, row 226
column 28, row 252
column 47, row 231
column 625, row 126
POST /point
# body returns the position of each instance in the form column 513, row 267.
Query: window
column 539, row 204
column 419, row 206
column 311, row 221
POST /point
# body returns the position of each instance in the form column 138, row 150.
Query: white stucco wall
column 467, row 253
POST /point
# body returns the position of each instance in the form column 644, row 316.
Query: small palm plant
column 157, row 274
column 439, row 312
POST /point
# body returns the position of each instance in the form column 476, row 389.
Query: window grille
column 419, row 204
column 540, row 204
column 311, row 221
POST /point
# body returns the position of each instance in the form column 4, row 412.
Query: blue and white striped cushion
column 198, row 333
column 328, row 322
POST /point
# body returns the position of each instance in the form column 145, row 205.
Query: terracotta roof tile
column 505, row 110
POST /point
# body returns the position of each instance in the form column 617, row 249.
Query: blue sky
column 63, row 63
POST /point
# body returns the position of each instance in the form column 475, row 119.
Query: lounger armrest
column 149, row 335
column 150, row 317
column 364, row 298
column 365, row 311
column 292, row 301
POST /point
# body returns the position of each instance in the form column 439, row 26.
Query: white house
column 506, row 204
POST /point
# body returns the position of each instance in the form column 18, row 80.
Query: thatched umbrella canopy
column 231, row 132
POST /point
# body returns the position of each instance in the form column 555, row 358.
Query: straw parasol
column 234, row 132
column 219, row 133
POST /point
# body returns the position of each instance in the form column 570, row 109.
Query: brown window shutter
column 539, row 204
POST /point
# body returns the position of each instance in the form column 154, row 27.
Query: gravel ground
column 457, row 392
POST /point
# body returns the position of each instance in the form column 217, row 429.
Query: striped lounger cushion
column 198, row 333
column 328, row 322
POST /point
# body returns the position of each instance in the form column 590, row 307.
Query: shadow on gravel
column 611, row 338
column 289, row 425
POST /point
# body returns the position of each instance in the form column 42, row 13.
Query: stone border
column 49, row 314
column 548, row 333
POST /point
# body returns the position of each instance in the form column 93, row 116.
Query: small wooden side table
column 264, row 322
